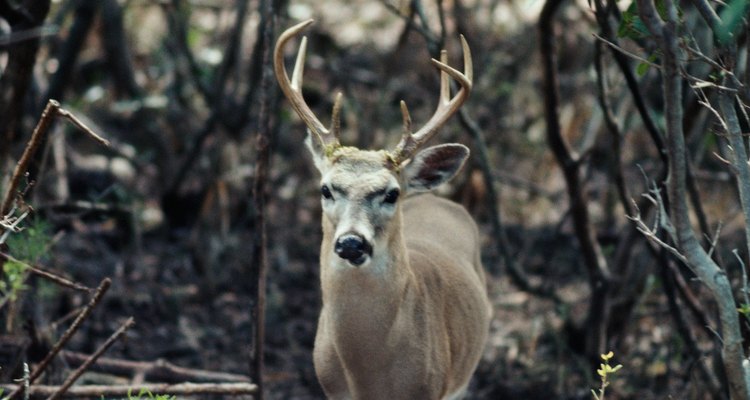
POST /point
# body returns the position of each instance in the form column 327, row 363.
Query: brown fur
column 416, row 329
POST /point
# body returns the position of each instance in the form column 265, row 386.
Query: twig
column 80, row 125
column 100, row 291
column 52, row 109
column 409, row 19
column 28, row 34
column 36, row 139
column 712, row 241
column 158, row 370
column 651, row 234
column 25, row 380
column 70, row 380
column 619, row 49
column 119, row 391
column 36, row 270
column 9, row 223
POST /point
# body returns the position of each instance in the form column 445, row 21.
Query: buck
column 405, row 311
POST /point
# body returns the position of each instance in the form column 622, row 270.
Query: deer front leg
column 328, row 367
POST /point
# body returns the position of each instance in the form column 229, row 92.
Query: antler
column 411, row 142
column 293, row 90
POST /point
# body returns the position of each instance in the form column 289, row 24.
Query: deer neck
column 365, row 299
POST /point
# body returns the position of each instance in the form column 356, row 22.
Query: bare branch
column 92, row 359
column 118, row 391
column 621, row 50
column 48, row 275
column 100, row 291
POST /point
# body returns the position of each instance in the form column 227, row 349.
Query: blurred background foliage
column 167, row 209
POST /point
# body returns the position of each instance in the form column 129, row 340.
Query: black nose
column 353, row 248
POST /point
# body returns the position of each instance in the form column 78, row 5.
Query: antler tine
column 335, row 118
column 446, row 107
column 407, row 145
column 293, row 89
column 445, row 84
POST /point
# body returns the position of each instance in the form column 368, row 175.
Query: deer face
column 361, row 192
column 359, row 197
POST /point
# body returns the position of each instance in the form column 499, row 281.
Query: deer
column 405, row 311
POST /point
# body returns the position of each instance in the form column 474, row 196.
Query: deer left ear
column 434, row 166
column 317, row 150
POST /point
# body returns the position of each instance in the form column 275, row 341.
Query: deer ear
column 434, row 166
column 315, row 145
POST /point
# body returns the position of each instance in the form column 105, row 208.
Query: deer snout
column 353, row 248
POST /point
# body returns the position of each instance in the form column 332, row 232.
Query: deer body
column 405, row 311
column 415, row 330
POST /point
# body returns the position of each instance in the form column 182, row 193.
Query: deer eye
column 326, row 192
column 391, row 196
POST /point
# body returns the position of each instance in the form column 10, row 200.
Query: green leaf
column 631, row 26
column 731, row 17
column 31, row 243
column 642, row 68
column 14, row 277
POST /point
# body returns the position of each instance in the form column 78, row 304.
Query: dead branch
column 29, row 151
column 51, row 276
column 118, row 391
column 154, row 371
column 259, row 267
column 80, row 125
column 100, row 291
column 52, row 109
column 91, row 359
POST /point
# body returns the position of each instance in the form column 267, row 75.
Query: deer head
column 360, row 189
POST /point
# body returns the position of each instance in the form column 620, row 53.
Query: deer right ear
column 317, row 149
column 434, row 166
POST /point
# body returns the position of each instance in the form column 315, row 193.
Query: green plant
column 25, row 246
column 14, row 276
column 604, row 371
column 149, row 395
column 31, row 242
